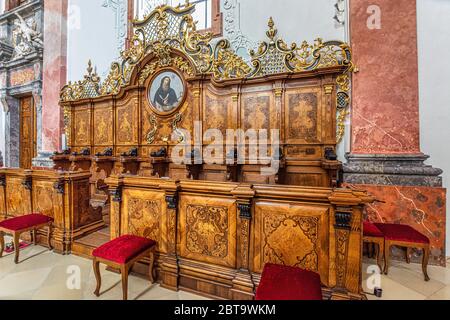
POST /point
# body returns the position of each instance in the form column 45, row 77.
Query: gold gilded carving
column 207, row 230
column 342, row 103
column 22, row 76
column 68, row 124
column 227, row 64
column 178, row 118
column 168, row 28
column 144, row 218
column 88, row 88
column 282, row 233
column 151, row 135
column 149, row 70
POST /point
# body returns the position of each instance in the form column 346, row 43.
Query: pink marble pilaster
column 54, row 72
column 385, row 115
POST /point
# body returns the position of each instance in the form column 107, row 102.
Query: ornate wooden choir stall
column 216, row 223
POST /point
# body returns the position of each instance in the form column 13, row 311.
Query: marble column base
column 43, row 160
column 399, row 170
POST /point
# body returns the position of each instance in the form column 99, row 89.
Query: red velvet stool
column 406, row 237
column 288, row 283
column 19, row 225
column 373, row 235
column 121, row 254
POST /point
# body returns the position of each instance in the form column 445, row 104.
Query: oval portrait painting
column 166, row 92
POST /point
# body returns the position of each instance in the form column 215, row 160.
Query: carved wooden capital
column 27, row 183
column 245, row 211
column 172, row 201
column 343, row 218
column 328, row 88
column 59, row 186
column 116, row 194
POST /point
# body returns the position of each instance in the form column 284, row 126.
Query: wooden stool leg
column 34, row 236
column 124, row 272
column 387, row 256
column 16, row 247
column 426, row 256
column 408, row 255
column 2, row 243
column 98, row 277
column 152, row 262
column 378, row 256
column 49, row 236
column 382, row 256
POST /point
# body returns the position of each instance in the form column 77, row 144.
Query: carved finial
column 89, row 68
column 272, row 32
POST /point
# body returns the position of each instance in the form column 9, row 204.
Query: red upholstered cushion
column 371, row 230
column 123, row 249
column 400, row 232
column 288, row 283
column 25, row 222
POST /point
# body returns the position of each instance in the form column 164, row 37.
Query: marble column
column 54, row 78
column 385, row 156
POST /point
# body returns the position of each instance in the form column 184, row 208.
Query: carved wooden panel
column 217, row 112
column 44, row 197
column 303, row 115
column 82, row 126
column 27, row 132
column 144, row 214
column 127, row 125
column 256, row 111
column 19, row 204
column 293, row 235
column 208, row 229
column 82, row 204
column 103, row 129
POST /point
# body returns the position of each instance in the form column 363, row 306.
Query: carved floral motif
column 207, row 230
column 283, row 232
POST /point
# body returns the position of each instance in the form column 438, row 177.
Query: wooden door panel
column 27, row 132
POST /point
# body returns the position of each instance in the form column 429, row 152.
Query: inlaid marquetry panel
column 144, row 214
column 303, row 115
column 103, row 129
column 208, row 229
column 20, row 203
column 127, row 125
column 256, row 111
column 82, row 204
column 217, row 112
column 82, row 126
column 292, row 235
column 44, row 197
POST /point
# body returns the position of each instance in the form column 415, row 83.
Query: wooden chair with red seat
column 373, row 235
column 121, row 254
column 288, row 283
column 406, row 237
column 19, row 225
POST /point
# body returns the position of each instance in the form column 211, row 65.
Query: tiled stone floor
column 43, row 275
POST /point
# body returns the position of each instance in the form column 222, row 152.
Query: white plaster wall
column 2, row 6
column 295, row 20
column 91, row 35
column 434, row 83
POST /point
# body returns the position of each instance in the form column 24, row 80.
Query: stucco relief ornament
column 25, row 37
